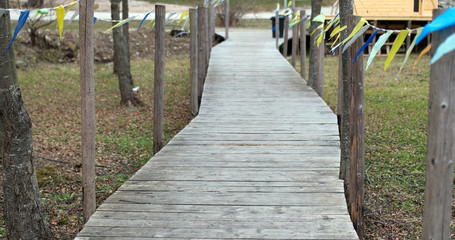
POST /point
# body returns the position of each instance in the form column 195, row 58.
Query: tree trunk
column 25, row 217
column 316, row 64
column 346, row 10
column 122, row 58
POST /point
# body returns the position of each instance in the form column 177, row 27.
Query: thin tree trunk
column 25, row 217
column 122, row 57
column 346, row 10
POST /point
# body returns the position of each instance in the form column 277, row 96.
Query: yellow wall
column 392, row 8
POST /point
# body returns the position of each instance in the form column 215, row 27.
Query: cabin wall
column 378, row 8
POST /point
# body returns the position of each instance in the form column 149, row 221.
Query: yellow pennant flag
column 320, row 39
column 70, row 6
column 184, row 14
column 60, row 15
column 319, row 27
column 337, row 30
column 355, row 30
column 396, row 45
column 427, row 49
column 336, row 40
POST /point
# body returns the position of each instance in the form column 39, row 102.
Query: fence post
column 211, row 28
column 356, row 113
column 277, row 29
column 295, row 36
column 202, row 45
column 193, row 62
column 226, row 19
column 286, row 36
column 88, row 106
column 302, row 45
column 441, row 136
column 158, row 104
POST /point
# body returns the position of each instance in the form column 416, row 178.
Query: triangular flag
column 357, row 35
column 337, row 30
column 396, row 45
column 444, row 20
column 2, row 11
column 331, row 22
column 447, row 46
column 382, row 39
column 359, row 25
column 365, row 45
column 146, row 15
column 425, row 50
column 60, row 15
column 408, row 52
column 121, row 23
column 20, row 23
column 319, row 18
column 73, row 17
column 320, row 38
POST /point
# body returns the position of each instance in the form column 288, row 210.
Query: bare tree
column 25, row 217
column 122, row 57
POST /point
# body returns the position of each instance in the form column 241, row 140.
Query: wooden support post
column 158, row 104
column 211, row 29
column 88, row 106
column 202, row 45
column 356, row 113
column 320, row 75
column 286, row 36
column 277, row 29
column 193, row 62
column 441, row 138
column 408, row 39
column 295, row 36
column 226, row 19
column 302, row 45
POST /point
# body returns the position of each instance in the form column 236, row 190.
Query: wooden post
column 356, row 113
column 320, row 75
column 295, row 37
column 302, row 45
column 88, row 106
column 277, row 29
column 441, row 137
column 286, row 36
column 211, row 29
column 193, row 62
column 158, row 104
column 226, row 20
column 408, row 39
column 202, row 45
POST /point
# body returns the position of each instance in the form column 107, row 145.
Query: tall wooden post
column 226, row 19
column 193, row 62
column 88, row 106
column 211, row 29
column 316, row 66
column 441, row 142
column 203, row 49
column 302, row 45
column 295, row 37
column 158, row 98
column 277, row 29
column 286, row 36
column 356, row 113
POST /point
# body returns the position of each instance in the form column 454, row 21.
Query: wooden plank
column 88, row 106
column 254, row 163
column 286, row 36
column 203, row 47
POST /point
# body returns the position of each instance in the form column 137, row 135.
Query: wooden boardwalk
column 260, row 161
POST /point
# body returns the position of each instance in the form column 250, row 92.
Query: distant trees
column 25, row 217
column 122, row 56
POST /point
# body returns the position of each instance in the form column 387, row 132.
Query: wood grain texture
column 441, row 137
column 226, row 19
column 260, row 161
column 88, row 106
column 303, row 45
column 158, row 97
column 194, row 102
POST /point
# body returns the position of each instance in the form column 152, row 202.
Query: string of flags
column 181, row 18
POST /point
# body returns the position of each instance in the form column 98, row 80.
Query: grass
column 124, row 136
column 395, row 144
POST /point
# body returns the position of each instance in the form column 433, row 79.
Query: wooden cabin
column 412, row 10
